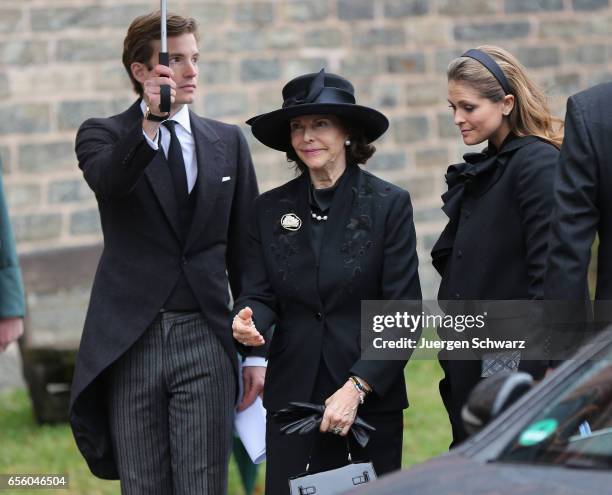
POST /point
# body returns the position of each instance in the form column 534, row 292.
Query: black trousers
column 460, row 377
column 171, row 409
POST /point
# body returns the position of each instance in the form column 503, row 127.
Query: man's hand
column 10, row 330
column 244, row 330
column 253, row 378
column 160, row 76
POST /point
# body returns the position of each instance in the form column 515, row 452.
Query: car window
column 575, row 428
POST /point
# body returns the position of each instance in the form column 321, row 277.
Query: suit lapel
column 158, row 174
column 159, row 177
column 342, row 240
column 304, row 241
column 304, row 235
column 210, row 151
column 340, row 210
column 295, row 260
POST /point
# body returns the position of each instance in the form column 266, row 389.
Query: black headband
column 492, row 66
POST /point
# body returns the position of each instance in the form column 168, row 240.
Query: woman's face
column 318, row 141
column 478, row 118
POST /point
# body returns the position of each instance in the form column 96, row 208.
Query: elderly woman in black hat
column 319, row 245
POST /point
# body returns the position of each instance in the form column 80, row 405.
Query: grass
column 26, row 448
column 426, row 428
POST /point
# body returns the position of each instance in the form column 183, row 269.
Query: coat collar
column 513, row 143
column 481, row 171
column 474, row 177
column 132, row 115
column 339, row 208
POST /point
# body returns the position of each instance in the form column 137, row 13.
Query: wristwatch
column 155, row 118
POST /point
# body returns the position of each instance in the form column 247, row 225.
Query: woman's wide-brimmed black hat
column 317, row 94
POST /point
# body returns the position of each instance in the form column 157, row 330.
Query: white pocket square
column 226, row 178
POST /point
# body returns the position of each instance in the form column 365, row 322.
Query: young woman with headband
column 498, row 204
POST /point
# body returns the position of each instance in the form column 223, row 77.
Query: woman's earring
column 347, row 142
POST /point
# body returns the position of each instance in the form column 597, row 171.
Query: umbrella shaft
column 164, row 34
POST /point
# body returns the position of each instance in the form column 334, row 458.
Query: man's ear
column 139, row 71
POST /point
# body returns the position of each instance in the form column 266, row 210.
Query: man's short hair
column 138, row 43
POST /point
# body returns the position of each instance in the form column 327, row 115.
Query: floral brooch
column 291, row 221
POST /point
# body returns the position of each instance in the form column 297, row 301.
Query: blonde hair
column 531, row 114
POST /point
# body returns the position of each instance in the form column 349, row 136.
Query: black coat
column 583, row 198
column 143, row 254
column 368, row 252
column 494, row 246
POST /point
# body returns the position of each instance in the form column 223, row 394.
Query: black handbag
column 303, row 418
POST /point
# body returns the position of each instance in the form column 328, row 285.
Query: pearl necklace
column 318, row 217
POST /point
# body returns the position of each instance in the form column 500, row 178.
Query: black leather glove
column 303, row 417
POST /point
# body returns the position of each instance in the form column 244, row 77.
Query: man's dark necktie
column 177, row 164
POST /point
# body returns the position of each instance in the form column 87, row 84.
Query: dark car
column 555, row 440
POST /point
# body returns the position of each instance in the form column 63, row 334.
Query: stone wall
column 60, row 63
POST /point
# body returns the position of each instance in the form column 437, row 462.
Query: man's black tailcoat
column 144, row 253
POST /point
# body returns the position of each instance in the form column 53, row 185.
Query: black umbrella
column 164, row 103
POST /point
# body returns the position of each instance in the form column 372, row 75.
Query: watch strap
column 155, row 118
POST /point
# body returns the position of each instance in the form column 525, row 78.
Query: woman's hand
column 244, row 329
column 341, row 410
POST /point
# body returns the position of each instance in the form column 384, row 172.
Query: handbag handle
column 348, row 451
